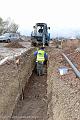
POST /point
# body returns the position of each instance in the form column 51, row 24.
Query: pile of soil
column 14, row 44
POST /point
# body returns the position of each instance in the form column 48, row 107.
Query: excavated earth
column 64, row 97
column 52, row 96
column 14, row 44
column 48, row 97
column 34, row 105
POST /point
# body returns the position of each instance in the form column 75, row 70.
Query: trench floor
column 34, row 105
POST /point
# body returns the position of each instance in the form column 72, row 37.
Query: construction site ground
column 51, row 96
column 65, row 101
column 34, row 106
column 13, row 50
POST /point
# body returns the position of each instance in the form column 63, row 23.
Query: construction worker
column 41, row 57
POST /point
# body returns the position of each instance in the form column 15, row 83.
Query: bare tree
column 8, row 26
column 1, row 25
column 12, row 27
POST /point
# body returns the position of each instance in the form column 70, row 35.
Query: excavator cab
column 40, row 32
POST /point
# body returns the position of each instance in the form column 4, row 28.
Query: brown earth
column 52, row 96
column 34, row 105
column 63, row 91
column 14, row 45
column 12, row 81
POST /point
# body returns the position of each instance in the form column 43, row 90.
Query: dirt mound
column 14, row 45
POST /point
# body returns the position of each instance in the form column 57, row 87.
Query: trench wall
column 51, row 66
column 12, row 80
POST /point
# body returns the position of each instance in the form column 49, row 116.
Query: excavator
column 40, row 35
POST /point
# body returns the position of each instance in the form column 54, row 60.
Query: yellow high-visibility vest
column 40, row 56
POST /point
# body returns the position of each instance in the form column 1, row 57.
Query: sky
column 62, row 16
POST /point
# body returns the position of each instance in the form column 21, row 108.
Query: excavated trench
column 13, row 78
column 22, row 78
column 47, row 97
column 34, row 105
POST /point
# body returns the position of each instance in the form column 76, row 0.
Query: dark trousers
column 40, row 70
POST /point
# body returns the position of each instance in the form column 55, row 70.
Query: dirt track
column 34, row 105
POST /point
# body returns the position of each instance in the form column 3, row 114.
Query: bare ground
column 65, row 102
column 8, row 51
column 34, row 105
column 66, row 93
